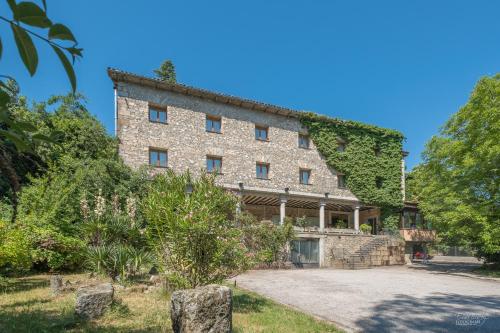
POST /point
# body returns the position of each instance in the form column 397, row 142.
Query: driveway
column 388, row 299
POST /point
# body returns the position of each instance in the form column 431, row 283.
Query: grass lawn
column 27, row 306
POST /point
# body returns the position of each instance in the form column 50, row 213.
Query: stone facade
column 188, row 143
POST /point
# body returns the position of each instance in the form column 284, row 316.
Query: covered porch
column 309, row 214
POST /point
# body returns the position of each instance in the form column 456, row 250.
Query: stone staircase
column 368, row 254
column 379, row 250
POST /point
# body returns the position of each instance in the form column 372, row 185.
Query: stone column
column 322, row 205
column 356, row 218
column 283, row 200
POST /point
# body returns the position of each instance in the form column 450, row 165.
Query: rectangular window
column 305, row 176
column 157, row 115
column 213, row 124
column 214, row 164
column 303, row 141
column 261, row 133
column 262, row 170
column 158, row 158
column 341, row 146
column 341, row 181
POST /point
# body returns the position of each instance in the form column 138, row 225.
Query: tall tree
column 458, row 185
column 166, row 72
column 28, row 20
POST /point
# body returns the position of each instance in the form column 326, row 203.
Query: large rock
column 205, row 309
column 92, row 301
column 56, row 284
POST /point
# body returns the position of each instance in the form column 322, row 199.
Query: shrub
column 193, row 235
column 365, row 228
column 267, row 242
column 15, row 248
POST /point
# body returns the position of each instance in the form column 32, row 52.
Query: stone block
column 56, row 285
column 92, row 301
column 205, row 309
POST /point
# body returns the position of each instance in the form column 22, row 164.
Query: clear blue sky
column 406, row 65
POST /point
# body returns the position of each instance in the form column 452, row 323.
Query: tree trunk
column 8, row 170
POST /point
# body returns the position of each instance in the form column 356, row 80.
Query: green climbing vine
column 370, row 160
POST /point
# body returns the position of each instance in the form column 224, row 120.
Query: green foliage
column 301, row 222
column 193, row 235
column 52, row 249
column 84, row 164
column 458, row 184
column 117, row 245
column 365, row 228
column 267, row 243
column 372, row 157
column 15, row 248
column 166, row 72
column 28, row 13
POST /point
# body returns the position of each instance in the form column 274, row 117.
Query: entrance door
column 305, row 252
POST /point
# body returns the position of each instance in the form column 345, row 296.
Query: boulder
column 205, row 309
column 56, row 284
column 92, row 301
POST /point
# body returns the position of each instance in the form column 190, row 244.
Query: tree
column 458, row 184
column 166, row 72
column 18, row 137
column 84, row 163
column 191, row 230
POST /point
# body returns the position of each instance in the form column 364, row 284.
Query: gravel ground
column 388, row 299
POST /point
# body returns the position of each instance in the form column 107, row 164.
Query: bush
column 267, row 242
column 117, row 246
column 365, row 228
column 194, row 237
column 15, row 248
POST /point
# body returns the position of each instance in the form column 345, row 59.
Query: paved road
column 388, row 299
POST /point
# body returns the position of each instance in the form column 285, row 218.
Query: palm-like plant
column 98, row 258
column 120, row 260
column 139, row 259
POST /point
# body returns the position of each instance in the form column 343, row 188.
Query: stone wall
column 362, row 251
column 188, row 144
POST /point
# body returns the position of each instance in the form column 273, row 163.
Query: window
column 158, row 158
column 262, row 170
column 214, row 164
column 379, row 182
column 213, row 124
column 341, row 181
column 305, row 176
column 341, row 146
column 157, row 115
column 377, row 150
column 261, row 133
column 303, row 141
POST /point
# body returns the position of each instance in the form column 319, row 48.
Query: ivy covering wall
column 371, row 159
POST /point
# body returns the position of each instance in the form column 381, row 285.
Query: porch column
column 283, row 200
column 322, row 205
column 356, row 218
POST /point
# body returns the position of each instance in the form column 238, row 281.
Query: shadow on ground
column 247, row 303
column 448, row 268
column 436, row 313
column 24, row 284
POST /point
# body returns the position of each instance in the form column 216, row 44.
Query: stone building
column 258, row 150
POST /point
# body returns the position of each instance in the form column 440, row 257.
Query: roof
column 121, row 76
